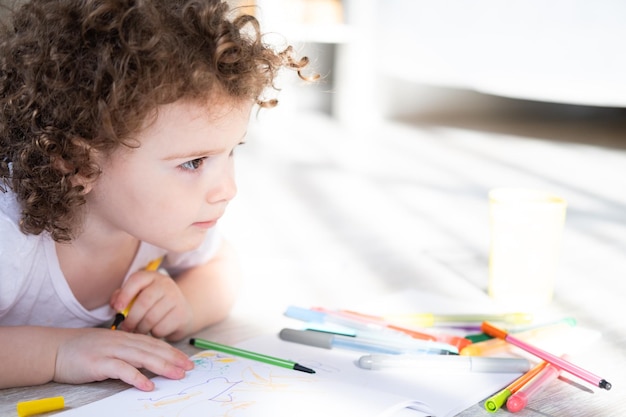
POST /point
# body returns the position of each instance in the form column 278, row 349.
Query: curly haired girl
column 118, row 124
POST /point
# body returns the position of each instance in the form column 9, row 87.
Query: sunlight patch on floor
column 367, row 215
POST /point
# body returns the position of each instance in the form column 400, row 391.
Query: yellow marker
column 44, row 405
column 121, row 315
column 429, row 319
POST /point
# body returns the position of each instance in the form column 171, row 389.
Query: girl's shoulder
column 8, row 203
column 13, row 239
column 9, row 211
column 19, row 252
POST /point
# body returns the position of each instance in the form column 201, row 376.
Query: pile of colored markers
column 416, row 340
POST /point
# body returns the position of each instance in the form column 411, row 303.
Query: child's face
column 176, row 185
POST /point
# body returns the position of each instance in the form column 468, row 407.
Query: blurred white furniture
column 562, row 51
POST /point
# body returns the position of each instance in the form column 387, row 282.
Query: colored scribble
column 220, row 385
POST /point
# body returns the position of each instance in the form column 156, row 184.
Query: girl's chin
column 183, row 245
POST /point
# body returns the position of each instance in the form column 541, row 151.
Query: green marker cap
column 496, row 401
column 478, row 337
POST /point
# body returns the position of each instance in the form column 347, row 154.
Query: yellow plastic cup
column 526, row 228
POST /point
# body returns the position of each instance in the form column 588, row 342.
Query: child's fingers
column 159, row 358
column 95, row 354
column 146, row 309
column 144, row 352
column 176, row 322
column 123, row 297
column 119, row 369
column 154, row 319
column 160, row 352
column 159, row 309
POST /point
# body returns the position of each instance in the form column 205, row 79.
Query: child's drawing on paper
column 221, row 384
column 213, row 389
column 225, row 386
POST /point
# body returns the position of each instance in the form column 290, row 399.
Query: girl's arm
column 33, row 355
column 210, row 289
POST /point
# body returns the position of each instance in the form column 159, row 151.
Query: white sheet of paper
column 445, row 394
column 223, row 385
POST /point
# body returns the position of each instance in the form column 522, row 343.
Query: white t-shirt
column 33, row 290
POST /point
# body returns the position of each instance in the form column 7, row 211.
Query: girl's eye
column 232, row 153
column 192, row 165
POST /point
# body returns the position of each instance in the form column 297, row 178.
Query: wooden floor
column 338, row 216
column 387, row 204
column 333, row 216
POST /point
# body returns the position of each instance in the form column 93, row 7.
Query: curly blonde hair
column 79, row 75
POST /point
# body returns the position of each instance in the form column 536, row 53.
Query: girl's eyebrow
column 201, row 153
column 192, row 154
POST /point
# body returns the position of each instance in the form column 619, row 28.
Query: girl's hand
column 159, row 306
column 87, row 355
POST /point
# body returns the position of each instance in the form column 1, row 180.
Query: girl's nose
column 224, row 189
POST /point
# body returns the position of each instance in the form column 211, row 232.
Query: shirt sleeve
column 18, row 254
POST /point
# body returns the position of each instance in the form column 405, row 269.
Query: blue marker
column 329, row 341
column 322, row 322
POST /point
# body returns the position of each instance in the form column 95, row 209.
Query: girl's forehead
column 182, row 111
column 184, row 122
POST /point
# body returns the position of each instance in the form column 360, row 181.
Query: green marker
column 205, row 344
column 496, row 401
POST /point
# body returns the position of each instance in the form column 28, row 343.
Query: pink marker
column 561, row 363
column 519, row 399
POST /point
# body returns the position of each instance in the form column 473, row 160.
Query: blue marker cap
column 305, row 314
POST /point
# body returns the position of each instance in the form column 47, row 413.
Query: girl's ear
column 80, row 165
column 83, row 181
column 88, row 174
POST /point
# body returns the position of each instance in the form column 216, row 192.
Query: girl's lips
column 205, row 225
